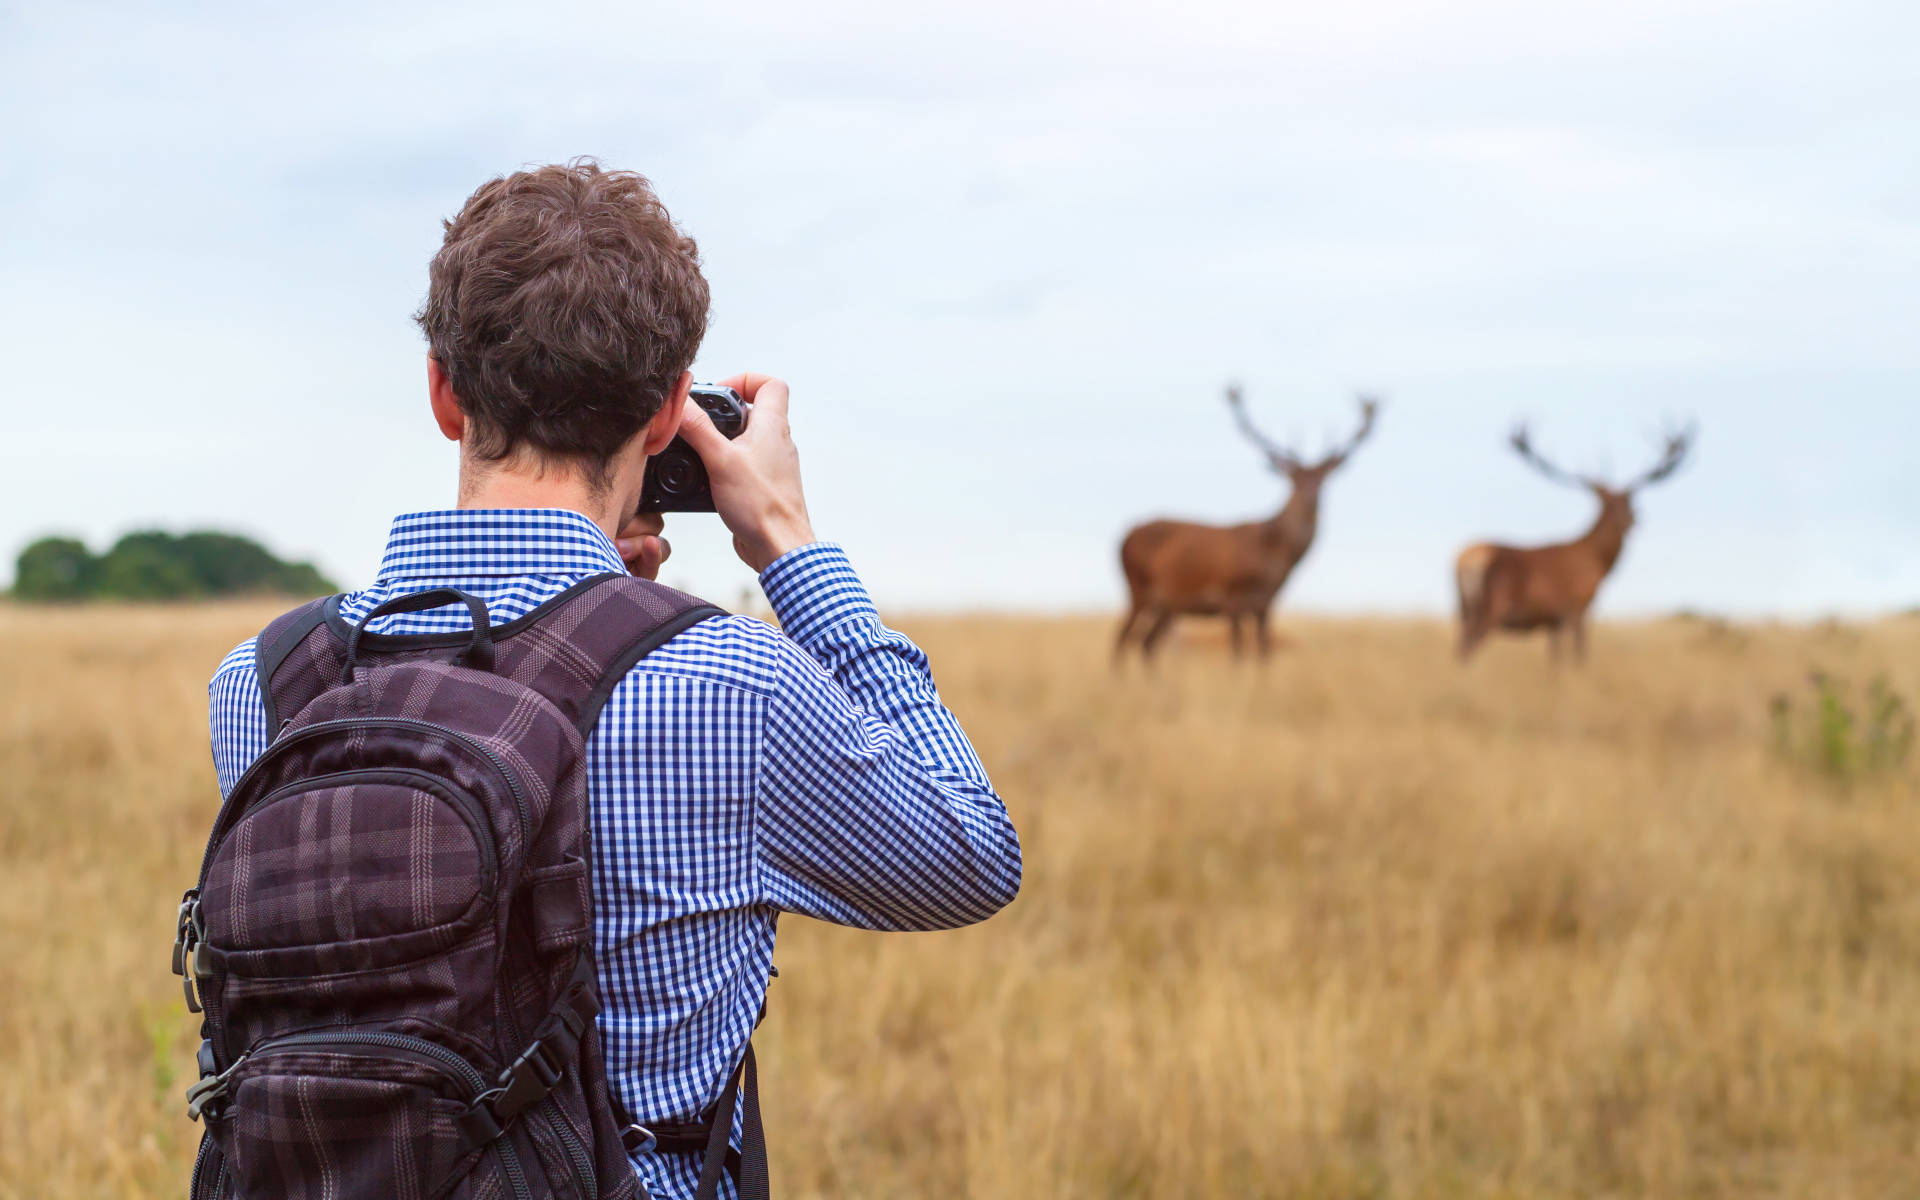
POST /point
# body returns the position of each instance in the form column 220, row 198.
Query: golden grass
column 1357, row 925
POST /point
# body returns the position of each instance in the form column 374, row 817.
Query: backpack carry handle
column 479, row 652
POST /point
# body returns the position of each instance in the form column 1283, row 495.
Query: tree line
column 155, row 565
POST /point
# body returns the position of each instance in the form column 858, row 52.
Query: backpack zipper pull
column 191, row 959
column 209, row 1089
column 182, row 928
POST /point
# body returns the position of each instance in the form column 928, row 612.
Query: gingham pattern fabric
column 736, row 773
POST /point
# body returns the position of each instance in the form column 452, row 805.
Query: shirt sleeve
column 872, row 808
column 235, row 718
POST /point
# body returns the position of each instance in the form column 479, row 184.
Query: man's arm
column 234, row 716
column 872, row 808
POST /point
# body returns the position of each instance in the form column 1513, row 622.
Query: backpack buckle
column 535, row 1060
column 531, row 1076
column 478, row 1124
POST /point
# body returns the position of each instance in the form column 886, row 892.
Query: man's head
column 563, row 311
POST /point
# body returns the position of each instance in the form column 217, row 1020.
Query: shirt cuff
column 813, row 589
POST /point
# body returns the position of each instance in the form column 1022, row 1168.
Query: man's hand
column 756, row 476
column 641, row 545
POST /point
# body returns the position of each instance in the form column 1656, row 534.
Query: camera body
column 676, row 478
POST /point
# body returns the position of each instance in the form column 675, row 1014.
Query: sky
column 1008, row 256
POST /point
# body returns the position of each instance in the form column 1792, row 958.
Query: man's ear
column 446, row 405
column 666, row 422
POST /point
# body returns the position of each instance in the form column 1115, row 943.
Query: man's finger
column 654, row 555
column 770, row 400
column 643, row 555
column 634, row 529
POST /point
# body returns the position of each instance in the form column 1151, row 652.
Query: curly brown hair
column 563, row 305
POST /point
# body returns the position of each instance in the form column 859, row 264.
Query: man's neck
column 507, row 488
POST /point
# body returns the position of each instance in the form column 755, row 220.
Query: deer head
column 1615, row 502
column 1305, row 476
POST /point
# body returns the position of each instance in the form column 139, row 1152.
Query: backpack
column 391, row 941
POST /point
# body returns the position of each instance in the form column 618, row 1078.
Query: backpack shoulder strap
column 576, row 649
column 278, row 642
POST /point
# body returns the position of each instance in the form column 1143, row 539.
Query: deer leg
column 1554, row 648
column 1474, row 627
column 1150, row 641
column 1233, row 633
column 1580, row 638
column 1263, row 634
column 1126, row 627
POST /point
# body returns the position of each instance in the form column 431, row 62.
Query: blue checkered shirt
column 737, row 773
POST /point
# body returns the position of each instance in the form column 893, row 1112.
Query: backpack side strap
column 645, row 616
column 540, row 1066
column 710, row 1137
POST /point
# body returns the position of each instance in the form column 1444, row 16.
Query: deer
column 1183, row 568
column 1552, row 587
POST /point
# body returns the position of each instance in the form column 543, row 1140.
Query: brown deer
column 1552, row 587
column 1177, row 568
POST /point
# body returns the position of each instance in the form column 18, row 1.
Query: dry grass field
column 1357, row 925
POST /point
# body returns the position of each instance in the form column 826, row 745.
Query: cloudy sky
column 1007, row 254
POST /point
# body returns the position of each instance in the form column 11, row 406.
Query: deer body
column 1551, row 587
column 1185, row 568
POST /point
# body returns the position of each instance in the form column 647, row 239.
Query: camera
column 676, row 478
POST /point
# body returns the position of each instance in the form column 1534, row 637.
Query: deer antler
column 1678, row 443
column 1282, row 458
column 1369, row 409
column 1522, row 443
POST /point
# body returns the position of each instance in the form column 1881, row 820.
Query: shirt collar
column 496, row 541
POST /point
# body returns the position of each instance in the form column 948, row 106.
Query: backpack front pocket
column 342, row 1114
column 350, row 871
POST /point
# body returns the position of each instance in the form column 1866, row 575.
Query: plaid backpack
column 392, row 935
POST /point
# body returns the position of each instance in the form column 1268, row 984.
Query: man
column 737, row 772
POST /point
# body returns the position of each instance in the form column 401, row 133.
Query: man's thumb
column 697, row 427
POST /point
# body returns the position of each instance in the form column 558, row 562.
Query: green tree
column 148, row 566
column 156, row 565
column 55, row 568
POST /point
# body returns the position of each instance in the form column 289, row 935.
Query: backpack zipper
column 582, row 1165
column 510, row 1160
column 214, row 1087
column 225, row 818
column 436, row 1055
column 199, row 1168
